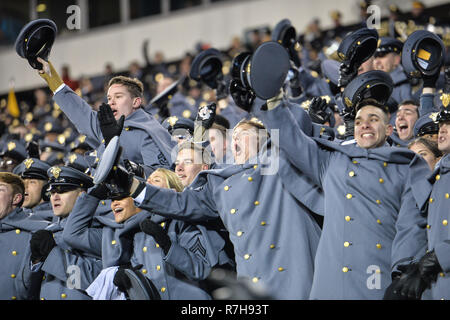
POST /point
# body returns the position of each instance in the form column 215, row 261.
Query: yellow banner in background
column 12, row 105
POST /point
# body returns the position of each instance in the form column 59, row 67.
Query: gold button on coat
column 14, row 253
column 351, row 173
column 438, row 177
column 239, row 233
column 349, row 196
column 163, row 289
column 444, row 222
column 226, row 188
column 17, row 231
column 380, row 180
column 63, row 295
column 144, row 249
column 250, row 179
column 345, row 269
column 256, row 203
column 347, row 218
column 233, row 211
column 378, row 245
column 246, row 256
column 113, row 242
column 447, row 196
column 346, row 244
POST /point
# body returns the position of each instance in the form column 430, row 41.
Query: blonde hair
column 133, row 85
column 172, row 180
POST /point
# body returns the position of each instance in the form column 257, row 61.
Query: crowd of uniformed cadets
column 310, row 166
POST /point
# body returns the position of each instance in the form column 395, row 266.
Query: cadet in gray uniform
column 388, row 59
column 34, row 174
column 272, row 227
column 371, row 221
column 172, row 254
column 52, row 270
column 145, row 139
column 15, row 232
column 431, row 271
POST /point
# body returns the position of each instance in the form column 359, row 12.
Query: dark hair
column 412, row 102
column 375, row 103
column 429, row 144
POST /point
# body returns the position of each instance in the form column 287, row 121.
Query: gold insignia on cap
column 55, row 171
column 11, row 145
column 306, row 104
column 445, row 98
column 172, row 120
column 28, row 162
column 314, row 74
column 186, row 113
column 433, row 116
column 72, row 158
column 48, row 126
column 61, row 139
column 82, row 138
column 348, row 102
column 28, row 137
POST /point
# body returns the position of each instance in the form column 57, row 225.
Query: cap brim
column 108, row 161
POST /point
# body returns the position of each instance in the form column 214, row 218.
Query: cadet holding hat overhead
column 53, row 270
column 371, row 221
column 147, row 142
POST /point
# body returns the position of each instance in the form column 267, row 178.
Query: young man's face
column 121, row 102
column 33, row 192
column 187, row 166
column 444, row 137
column 63, row 203
column 123, row 209
column 244, row 143
column 405, row 120
column 218, row 143
column 387, row 63
column 6, row 199
column 371, row 127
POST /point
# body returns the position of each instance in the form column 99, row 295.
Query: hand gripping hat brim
column 423, row 54
column 374, row 84
column 206, row 66
column 36, row 40
column 358, row 46
column 108, row 160
column 141, row 288
column 267, row 69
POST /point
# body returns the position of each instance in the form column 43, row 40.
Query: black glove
column 121, row 280
column 158, row 233
column 389, row 292
column 242, row 97
column 206, row 115
column 33, row 149
column 41, row 244
column 347, row 73
column 134, row 168
column 319, row 110
column 429, row 267
column 410, row 285
column 430, row 81
column 119, row 179
column 108, row 124
column 348, row 115
column 99, row 191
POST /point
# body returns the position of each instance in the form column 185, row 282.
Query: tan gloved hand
column 273, row 102
column 50, row 75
